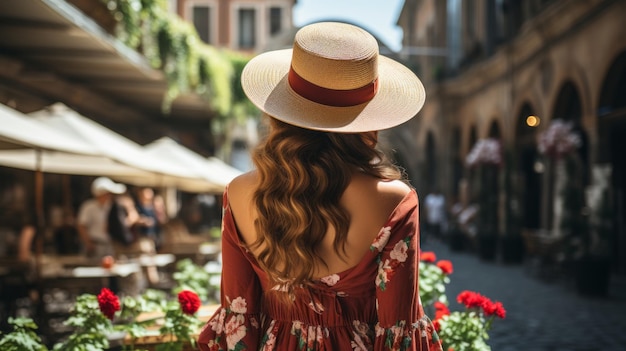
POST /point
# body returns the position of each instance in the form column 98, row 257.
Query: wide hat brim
column 399, row 98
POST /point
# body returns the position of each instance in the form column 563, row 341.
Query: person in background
column 18, row 225
column 147, row 228
column 151, row 216
column 93, row 217
column 320, row 243
column 435, row 205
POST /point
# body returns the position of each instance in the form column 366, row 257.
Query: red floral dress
column 374, row 305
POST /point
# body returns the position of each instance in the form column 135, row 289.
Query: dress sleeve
column 402, row 324
column 235, row 325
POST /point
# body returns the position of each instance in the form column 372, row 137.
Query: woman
column 320, row 242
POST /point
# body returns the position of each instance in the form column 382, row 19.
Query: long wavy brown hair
column 303, row 174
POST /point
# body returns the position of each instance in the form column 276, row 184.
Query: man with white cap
column 92, row 217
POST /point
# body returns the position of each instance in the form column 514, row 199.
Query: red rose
column 441, row 310
column 496, row 308
column 428, row 256
column 445, row 266
column 189, row 302
column 108, row 302
column 470, row 299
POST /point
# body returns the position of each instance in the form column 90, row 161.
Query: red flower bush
column 470, row 299
column 428, row 256
column 108, row 302
column 475, row 300
column 189, row 302
column 445, row 266
column 460, row 329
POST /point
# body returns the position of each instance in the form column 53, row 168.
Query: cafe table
column 83, row 275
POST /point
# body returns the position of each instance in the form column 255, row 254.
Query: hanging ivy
column 173, row 46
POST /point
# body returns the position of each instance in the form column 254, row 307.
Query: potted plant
column 485, row 158
column 23, row 337
column 467, row 330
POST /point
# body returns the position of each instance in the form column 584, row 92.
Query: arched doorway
column 568, row 107
column 612, row 143
column 528, row 168
column 494, row 130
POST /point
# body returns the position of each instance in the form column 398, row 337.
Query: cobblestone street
column 541, row 316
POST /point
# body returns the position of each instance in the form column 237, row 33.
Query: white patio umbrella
column 215, row 173
column 18, row 131
column 120, row 156
column 31, row 144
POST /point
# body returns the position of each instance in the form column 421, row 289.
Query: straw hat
column 333, row 80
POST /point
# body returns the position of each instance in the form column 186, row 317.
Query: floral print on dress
column 238, row 305
column 398, row 336
column 363, row 337
column 231, row 321
column 269, row 339
column 330, row 280
column 381, row 239
column 316, row 306
column 309, row 337
column 399, row 252
column 386, row 268
column 235, row 331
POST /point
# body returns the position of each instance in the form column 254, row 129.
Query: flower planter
column 593, row 276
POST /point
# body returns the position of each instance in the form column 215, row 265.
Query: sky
column 379, row 17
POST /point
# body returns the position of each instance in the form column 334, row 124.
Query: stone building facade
column 506, row 61
column 239, row 25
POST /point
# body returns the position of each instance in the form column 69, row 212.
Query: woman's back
column 369, row 201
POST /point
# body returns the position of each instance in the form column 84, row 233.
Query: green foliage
column 180, row 326
column 23, row 336
column 464, row 331
column 432, row 284
column 90, row 326
column 151, row 300
column 190, row 276
column 173, row 46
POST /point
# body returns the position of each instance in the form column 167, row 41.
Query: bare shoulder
column 375, row 195
column 240, row 198
column 241, row 189
column 395, row 189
